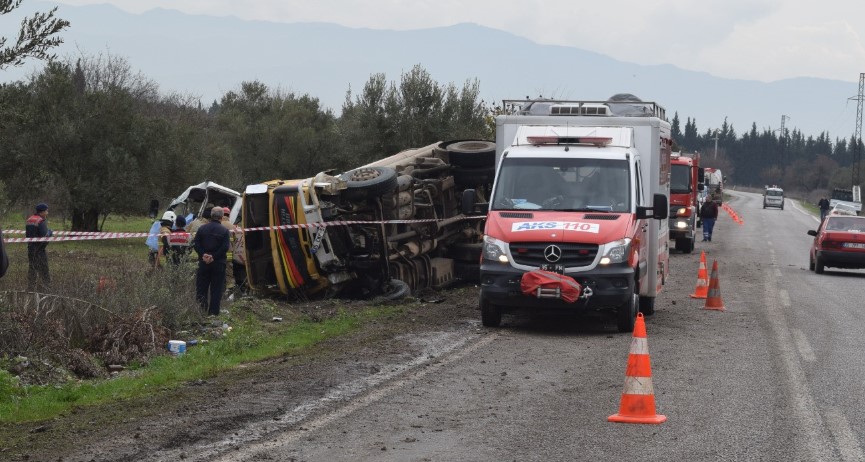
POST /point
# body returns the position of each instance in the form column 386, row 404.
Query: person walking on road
column 211, row 244
column 37, row 226
column 708, row 213
column 824, row 208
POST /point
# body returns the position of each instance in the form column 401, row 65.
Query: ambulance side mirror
column 659, row 210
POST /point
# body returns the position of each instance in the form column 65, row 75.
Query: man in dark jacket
column 211, row 244
column 709, row 213
column 37, row 226
column 824, row 208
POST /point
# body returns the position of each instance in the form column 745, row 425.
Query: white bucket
column 177, row 347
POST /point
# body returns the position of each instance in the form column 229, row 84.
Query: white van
column 773, row 197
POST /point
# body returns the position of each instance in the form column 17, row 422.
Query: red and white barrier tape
column 94, row 235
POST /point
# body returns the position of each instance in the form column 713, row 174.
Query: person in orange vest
column 37, row 226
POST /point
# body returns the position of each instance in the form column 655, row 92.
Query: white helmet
column 169, row 216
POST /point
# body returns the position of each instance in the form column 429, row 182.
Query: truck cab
column 686, row 186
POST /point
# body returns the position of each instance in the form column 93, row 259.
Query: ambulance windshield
column 572, row 184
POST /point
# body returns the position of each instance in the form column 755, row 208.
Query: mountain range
column 207, row 56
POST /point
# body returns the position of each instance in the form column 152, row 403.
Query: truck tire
column 819, row 267
column 683, row 244
column 466, row 251
column 471, row 153
column 395, row 289
column 472, row 177
column 647, row 306
column 366, row 182
column 627, row 314
column 491, row 315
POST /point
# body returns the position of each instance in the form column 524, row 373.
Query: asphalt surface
column 776, row 376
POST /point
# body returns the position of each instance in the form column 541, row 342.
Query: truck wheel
column 471, row 177
column 396, row 289
column 466, row 251
column 818, row 265
column 366, row 182
column 471, row 153
column 647, row 306
column 491, row 315
column 627, row 315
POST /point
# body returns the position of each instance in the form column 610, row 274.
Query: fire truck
column 686, row 184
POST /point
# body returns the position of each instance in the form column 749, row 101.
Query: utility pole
column 715, row 156
column 857, row 135
column 782, row 137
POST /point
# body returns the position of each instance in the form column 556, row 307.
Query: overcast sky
column 762, row 40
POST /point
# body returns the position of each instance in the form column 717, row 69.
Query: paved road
column 777, row 376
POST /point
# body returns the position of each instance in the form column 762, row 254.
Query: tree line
column 94, row 137
column 759, row 157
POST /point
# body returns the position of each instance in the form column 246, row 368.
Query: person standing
column 211, row 244
column 708, row 213
column 37, row 226
column 238, row 260
column 229, row 266
column 165, row 224
column 824, row 208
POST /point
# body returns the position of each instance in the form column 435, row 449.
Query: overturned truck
column 402, row 223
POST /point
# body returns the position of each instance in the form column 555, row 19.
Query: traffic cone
column 638, row 399
column 702, row 289
column 713, row 300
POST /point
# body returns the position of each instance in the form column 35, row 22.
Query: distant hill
column 207, row 56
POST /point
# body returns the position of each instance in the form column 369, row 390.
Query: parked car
column 773, row 197
column 839, row 242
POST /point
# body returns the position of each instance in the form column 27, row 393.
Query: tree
column 36, row 37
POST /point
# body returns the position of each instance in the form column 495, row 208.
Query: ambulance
column 577, row 220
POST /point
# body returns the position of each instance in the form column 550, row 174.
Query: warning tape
column 96, row 235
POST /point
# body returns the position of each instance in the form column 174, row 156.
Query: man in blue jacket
column 211, row 244
column 37, row 226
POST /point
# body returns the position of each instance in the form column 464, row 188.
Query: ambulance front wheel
column 647, row 306
column 627, row 315
column 491, row 315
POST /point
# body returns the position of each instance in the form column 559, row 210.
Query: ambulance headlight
column 681, row 224
column 495, row 250
column 616, row 252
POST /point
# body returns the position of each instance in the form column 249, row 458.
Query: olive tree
column 38, row 34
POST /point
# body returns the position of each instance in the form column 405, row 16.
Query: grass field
column 55, row 349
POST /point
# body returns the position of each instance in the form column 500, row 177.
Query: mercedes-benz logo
column 553, row 253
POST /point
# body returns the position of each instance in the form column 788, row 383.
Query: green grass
column 248, row 342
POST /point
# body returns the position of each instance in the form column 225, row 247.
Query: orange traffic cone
column 638, row 399
column 702, row 289
column 713, row 300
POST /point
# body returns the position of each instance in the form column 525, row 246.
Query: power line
column 857, row 149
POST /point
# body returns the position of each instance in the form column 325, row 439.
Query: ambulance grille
column 517, row 215
column 602, row 217
column 573, row 255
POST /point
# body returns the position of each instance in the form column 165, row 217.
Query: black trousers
column 37, row 274
column 239, row 277
column 210, row 280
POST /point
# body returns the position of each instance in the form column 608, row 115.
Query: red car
column 839, row 242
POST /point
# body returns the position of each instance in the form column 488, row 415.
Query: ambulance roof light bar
column 599, row 141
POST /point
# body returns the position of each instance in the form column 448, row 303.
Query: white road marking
column 844, row 437
column 813, row 443
column 803, row 345
column 785, row 297
column 287, row 436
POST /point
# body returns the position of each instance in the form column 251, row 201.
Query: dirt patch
column 256, row 395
